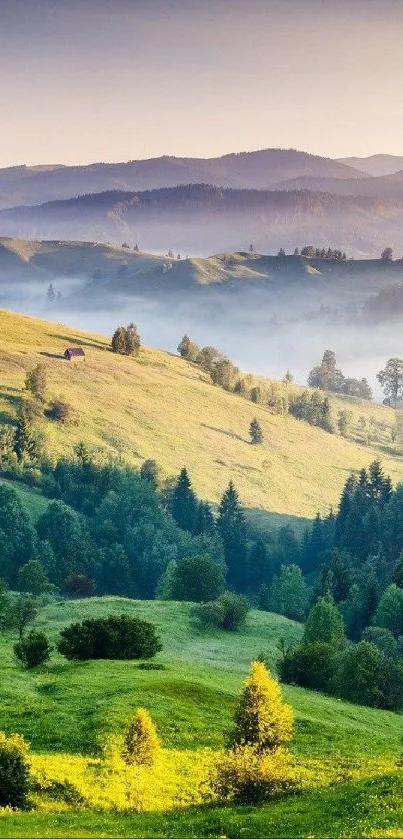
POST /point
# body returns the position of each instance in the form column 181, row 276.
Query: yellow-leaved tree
column 262, row 719
column 142, row 745
column 256, row 764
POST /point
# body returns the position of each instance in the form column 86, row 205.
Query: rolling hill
column 159, row 406
column 346, row 754
column 248, row 170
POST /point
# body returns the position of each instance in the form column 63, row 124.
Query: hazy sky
column 85, row 80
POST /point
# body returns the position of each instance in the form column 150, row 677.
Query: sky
column 110, row 80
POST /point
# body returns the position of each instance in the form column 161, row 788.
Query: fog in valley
column 260, row 332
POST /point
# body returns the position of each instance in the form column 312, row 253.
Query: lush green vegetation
column 90, row 522
column 64, row 708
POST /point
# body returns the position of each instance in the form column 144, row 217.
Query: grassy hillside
column 35, row 259
column 63, row 708
column 159, row 406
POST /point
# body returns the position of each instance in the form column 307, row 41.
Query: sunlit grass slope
column 159, row 406
column 63, row 708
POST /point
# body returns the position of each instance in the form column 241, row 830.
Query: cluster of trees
column 355, row 554
column 314, row 409
column 327, row 376
column 322, row 253
column 225, row 374
column 118, row 531
column 23, row 444
column 126, row 340
column 369, row 672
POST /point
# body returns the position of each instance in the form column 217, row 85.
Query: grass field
column 346, row 753
column 159, row 406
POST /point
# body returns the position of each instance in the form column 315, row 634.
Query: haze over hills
column 204, row 219
column 247, row 170
column 375, row 164
column 288, row 309
column 389, row 186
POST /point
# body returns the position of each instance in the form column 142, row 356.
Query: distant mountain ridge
column 202, row 219
column 244, row 170
column 376, row 164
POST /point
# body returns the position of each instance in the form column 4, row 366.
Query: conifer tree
column 141, row 744
column 205, row 522
column 24, row 442
column 324, row 623
column 232, row 528
column 256, row 433
column 184, row 346
column 262, row 719
column 50, row 295
column 184, row 503
column 264, row 598
column 259, row 566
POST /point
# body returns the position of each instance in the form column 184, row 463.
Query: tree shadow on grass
column 72, row 340
column 230, row 434
column 59, row 356
column 15, row 402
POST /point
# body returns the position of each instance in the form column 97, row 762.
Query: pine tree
column 184, row 346
column 205, row 522
column 259, row 570
column 50, row 295
column 184, row 503
column 262, row 719
column 256, row 433
column 324, row 623
column 141, row 745
column 24, row 442
column 264, row 598
column 232, row 528
column 289, row 594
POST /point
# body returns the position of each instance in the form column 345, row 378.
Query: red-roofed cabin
column 74, row 352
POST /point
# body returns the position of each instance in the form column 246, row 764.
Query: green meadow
column 347, row 755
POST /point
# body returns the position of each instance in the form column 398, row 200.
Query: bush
column 141, row 745
column 208, row 615
column 227, row 612
column 310, row 665
column 235, row 608
column 246, row 777
column 197, row 578
column 359, row 673
column 60, row 412
column 14, row 771
column 78, row 585
column 114, row 637
column 33, row 650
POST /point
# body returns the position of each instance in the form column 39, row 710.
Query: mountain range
column 271, row 198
